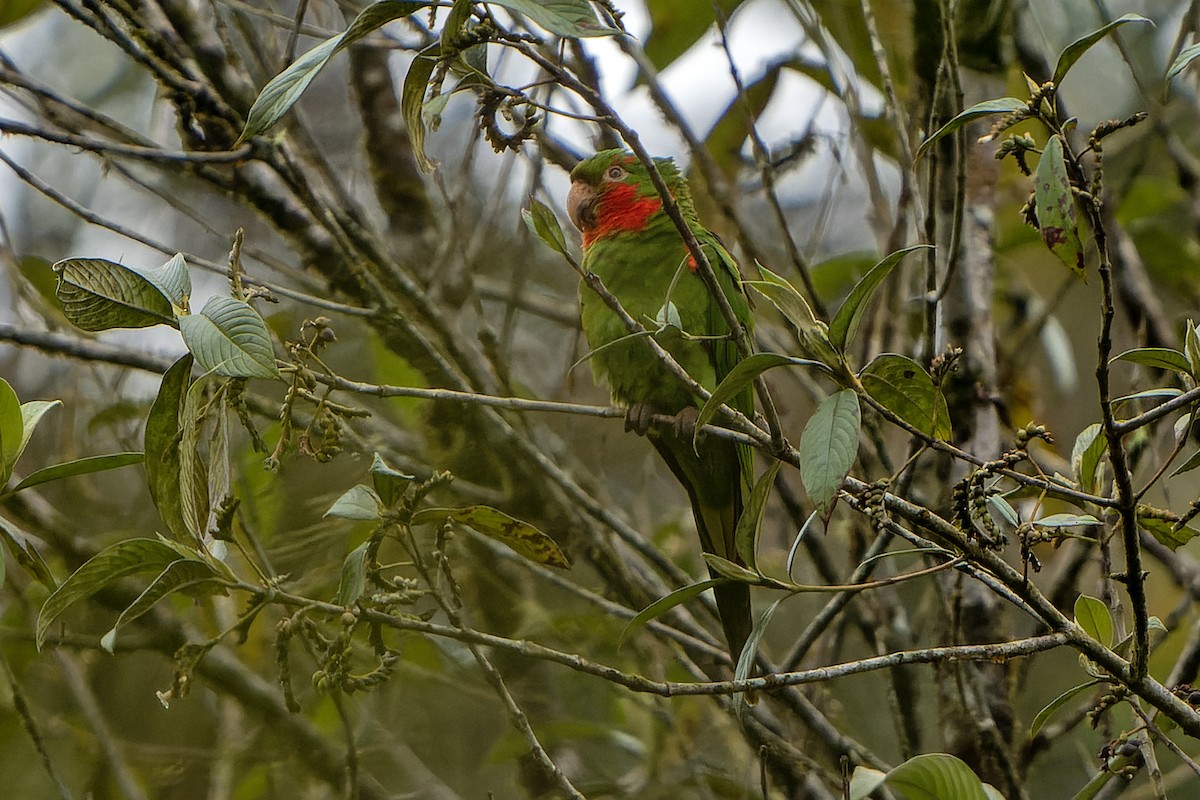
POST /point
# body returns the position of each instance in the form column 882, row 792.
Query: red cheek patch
column 621, row 209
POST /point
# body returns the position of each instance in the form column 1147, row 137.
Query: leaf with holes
column 228, row 337
column 902, row 386
column 1055, row 207
column 99, row 295
column 828, row 447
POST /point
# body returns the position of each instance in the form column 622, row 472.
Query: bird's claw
column 684, row 425
column 637, row 418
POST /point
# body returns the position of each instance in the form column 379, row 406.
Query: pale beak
column 581, row 205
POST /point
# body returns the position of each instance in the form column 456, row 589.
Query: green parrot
column 636, row 250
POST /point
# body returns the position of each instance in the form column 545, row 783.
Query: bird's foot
column 684, row 425
column 637, row 418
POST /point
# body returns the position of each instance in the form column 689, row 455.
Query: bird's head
column 611, row 192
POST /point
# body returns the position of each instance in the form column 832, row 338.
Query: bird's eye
column 616, row 173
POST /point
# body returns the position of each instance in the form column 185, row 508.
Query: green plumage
column 638, row 253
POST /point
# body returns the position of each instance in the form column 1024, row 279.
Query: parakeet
column 638, row 253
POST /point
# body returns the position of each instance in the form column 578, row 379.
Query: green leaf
column 748, row 525
column 845, row 322
column 864, row 781
column 12, row 430
column 742, row 375
column 1001, row 105
column 79, row 466
column 1164, row 531
column 161, row 443
column 1054, row 705
column 746, row 658
column 1077, row 48
column 936, row 776
column 357, row 502
column 727, row 569
column 184, row 575
column 543, row 224
column 124, row 558
column 1162, row 393
column 1181, row 62
column 828, row 447
column 521, row 537
column 97, row 295
column 1157, row 358
column 676, row 25
column 230, row 338
column 412, row 101
column 193, row 477
column 812, row 333
column 1192, row 462
column 566, row 18
column 1004, row 509
column 389, row 483
column 1065, row 521
column 27, row 556
column 1090, row 447
column 172, row 279
column 1055, row 206
column 31, row 416
column 282, row 91
column 902, row 386
column 665, row 604
column 354, row 576
column 1095, row 619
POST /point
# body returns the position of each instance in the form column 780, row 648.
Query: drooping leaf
column 727, row 569
column 745, row 659
column 1054, row 705
column 936, row 776
column 864, row 781
column 1001, row 105
column 1055, row 205
column 727, row 138
column 194, row 499
column 12, row 430
column 1094, row 617
column 566, row 18
column 282, row 91
column 666, row 603
column 354, row 576
column 1164, row 531
column 1191, row 348
column 1072, row 52
column 1186, row 56
column 179, row 576
column 98, row 295
column 1004, row 509
column 161, row 442
column 1090, row 447
column 902, row 386
column 32, row 412
column 845, row 322
column 389, row 483
column 521, row 537
column 27, row 556
column 230, row 338
column 813, row 334
column 124, row 558
column 412, row 101
column 79, row 466
column 1157, row 358
column 1065, row 521
column 1192, row 462
column 1163, row 393
column 543, row 224
column 748, row 526
column 828, row 447
column 741, row 376
column 172, row 279
column 358, row 502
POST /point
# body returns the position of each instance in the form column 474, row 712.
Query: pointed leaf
column 282, row 91
column 230, row 338
column 1090, row 447
column 1192, row 462
column 412, row 101
column 358, row 502
column 812, row 333
column 1165, row 532
column 161, row 442
column 665, row 604
column 124, row 558
column 741, row 376
column 936, row 776
column 1055, row 206
column 1163, row 393
column 79, row 466
column 902, row 386
column 31, row 416
column 521, row 537
column 566, row 18
column 12, row 430
column 1181, row 62
column 748, row 526
column 828, row 447
column 845, row 322
column 1004, row 509
column 1065, row 521
column 1157, row 358
column 864, row 781
column 389, row 483
column 97, row 295
column 1095, row 619
column 726, row 568
column 194, row 498
column 27, row 556
column 1001, row 105
column 1054, row 705
column 745, row 659
column 172, row 279
column 1077, row 48
column 179, row 576
column 354, row 576
column 543, row 224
